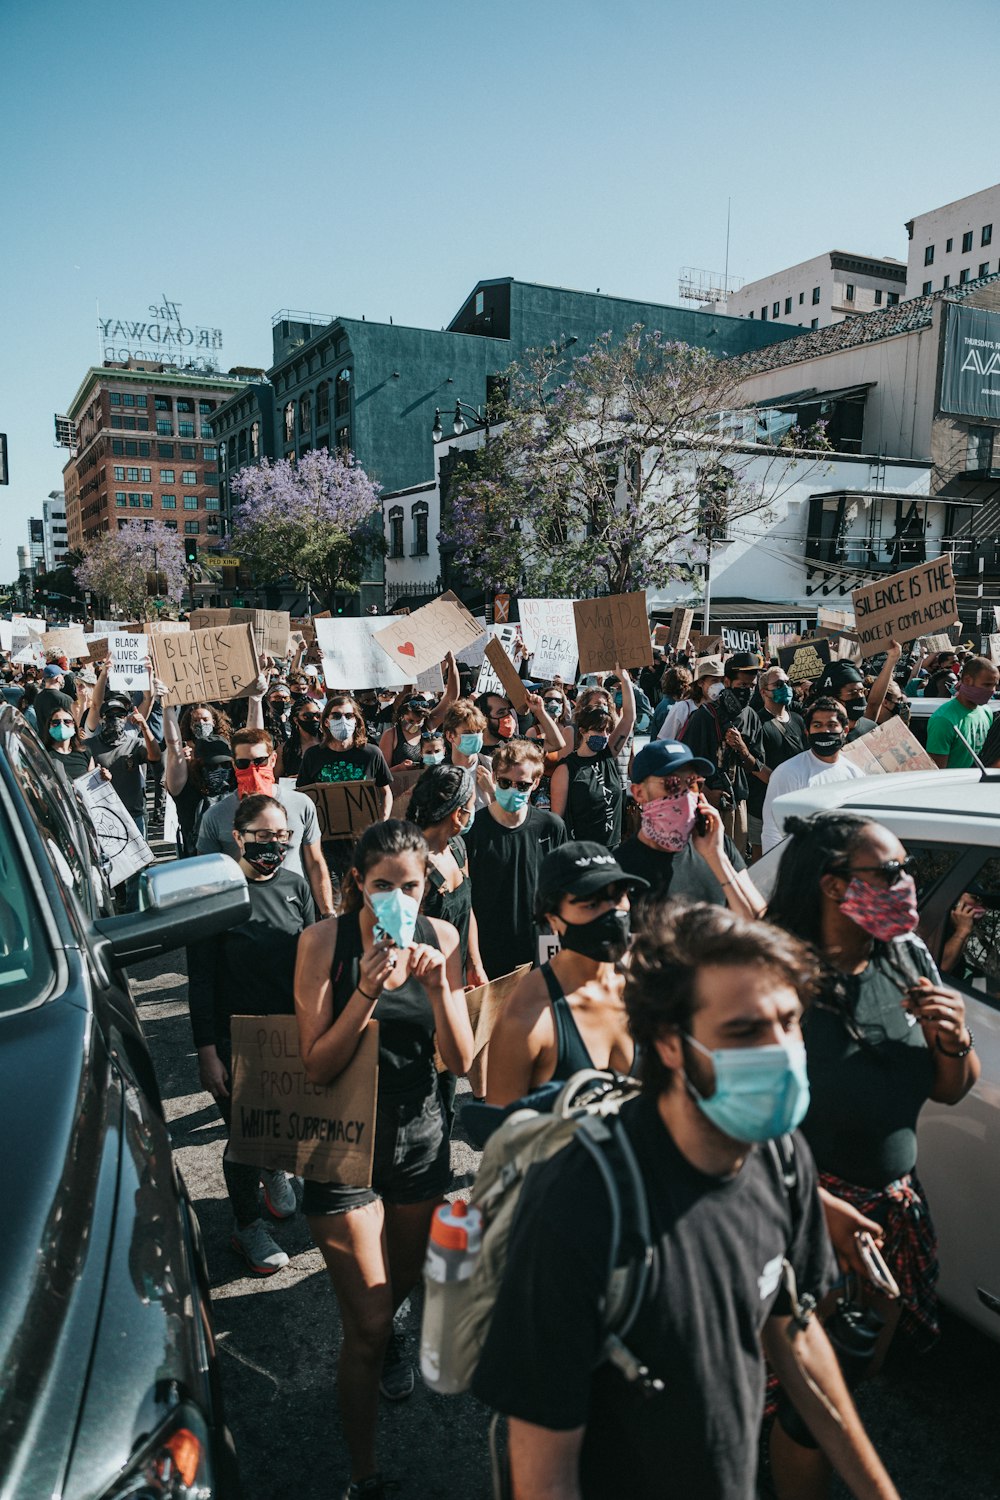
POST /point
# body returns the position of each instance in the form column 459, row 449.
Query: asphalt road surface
column 935, row 1422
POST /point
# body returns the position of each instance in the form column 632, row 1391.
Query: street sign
column 222, row 562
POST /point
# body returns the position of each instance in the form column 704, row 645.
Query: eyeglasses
column 276, row 835
column 255, row 760
column 522, row 786
column 891, row 871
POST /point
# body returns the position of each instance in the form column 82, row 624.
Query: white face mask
column 714, row 691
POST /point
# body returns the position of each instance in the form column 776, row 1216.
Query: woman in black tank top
column 407, row 976
column 570, row 1014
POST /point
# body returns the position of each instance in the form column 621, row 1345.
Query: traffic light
column 190, row 550
column 156, row 583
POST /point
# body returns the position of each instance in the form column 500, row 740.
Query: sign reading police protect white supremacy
column 905, row 606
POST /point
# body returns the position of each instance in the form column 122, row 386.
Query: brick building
column 145, row 450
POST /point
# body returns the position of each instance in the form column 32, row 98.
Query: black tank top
column 571, row 1051
column 405, row 1015
column 595, row 796
column 452, row 906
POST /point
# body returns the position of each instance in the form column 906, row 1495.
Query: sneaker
column 279, row 1195
column 397, row 1379
column 372, row 1488
column 260, row 1252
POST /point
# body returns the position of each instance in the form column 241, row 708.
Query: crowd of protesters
column 621, row 875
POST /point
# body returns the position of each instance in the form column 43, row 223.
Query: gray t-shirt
column 127, row 763
column 215, row 836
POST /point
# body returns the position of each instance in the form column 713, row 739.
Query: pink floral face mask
column 883, row 914
column 668, row 821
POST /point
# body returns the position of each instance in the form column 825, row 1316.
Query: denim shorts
column 412, row 1157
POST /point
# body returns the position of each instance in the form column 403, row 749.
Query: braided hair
column 440, row 791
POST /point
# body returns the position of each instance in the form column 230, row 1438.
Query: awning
column 812, row 395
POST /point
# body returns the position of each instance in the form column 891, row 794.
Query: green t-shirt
column 973, row 723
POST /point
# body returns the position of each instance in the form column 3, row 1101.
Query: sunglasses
column 54, row 720
column 673, row 786
column 892, row 870
column 347, row 718
column 431, row 734
column 522, row 786
column 256, row 760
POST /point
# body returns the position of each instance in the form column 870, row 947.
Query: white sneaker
column 261, row 1253
column 279, row 1195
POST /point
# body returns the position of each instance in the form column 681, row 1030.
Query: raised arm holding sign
column 904, row 606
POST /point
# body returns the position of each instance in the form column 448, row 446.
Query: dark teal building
column 374, row 387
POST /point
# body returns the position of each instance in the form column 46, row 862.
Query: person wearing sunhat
column 569, row 1014
column 707, row 674
column 726, row 731
column 681, row 848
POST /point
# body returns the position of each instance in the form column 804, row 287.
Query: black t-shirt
column 704, row 735
column 865, row 1097
column 721, row 1242
column 596, row 794
column 780, row 742
column 249, row 969
column 362, row 763
column 685, row 873
column 73, row 763
column 504, row 864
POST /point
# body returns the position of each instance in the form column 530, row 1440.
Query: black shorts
column 412, row 1157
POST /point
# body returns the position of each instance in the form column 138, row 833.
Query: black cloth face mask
column 604, row 939
column 265, row 857
column 826, row 743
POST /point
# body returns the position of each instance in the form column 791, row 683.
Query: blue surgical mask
column 782, row 694
column 470, row 744
column 434, row 758
column 760, row 1092
column 511, row 800
column 597, row 742
column 395, row 916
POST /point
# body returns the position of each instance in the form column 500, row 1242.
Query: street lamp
column 465, row 415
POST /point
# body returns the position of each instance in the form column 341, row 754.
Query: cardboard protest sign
column 905, row 605
column 681, row 621
column 661, row 635
column 70, row 642
column 344, row 809
column 706, row 645
column 613, row 631
column 352, row 659
column 6, row 635
column 509, row 637
column 548, row 629
column 890, row 747
column 486, row 1002
column 98, row 649
column 205, row 666
column 776, row 639
column 119, row 838
column 25, row 646
column 206, row 619
column 993, row 648
column 431, row 681
column 36, row 624
column 305, row 626
column 834, row 619
column 280, row 1120
column 472, row 656
column 416, row 642
column 106, row 627
column 270, row 628
column 506, row 672
column 165, row 627
column 806, row 661
column 935, row 643
column 740, row 640
column 128, row 672
column 844, row 647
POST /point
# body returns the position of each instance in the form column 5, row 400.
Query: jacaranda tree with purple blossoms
column 610, row 471
column 115, row 566
column 314, row 520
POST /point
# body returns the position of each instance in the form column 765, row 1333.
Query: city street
column 934, row 1422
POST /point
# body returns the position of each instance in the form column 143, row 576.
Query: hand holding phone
column 876, row 1270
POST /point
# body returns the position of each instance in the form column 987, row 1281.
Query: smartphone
column 701, row 823
column 876, row 1270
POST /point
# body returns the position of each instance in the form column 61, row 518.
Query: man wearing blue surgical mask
column 783, row 735
column 714, row 1003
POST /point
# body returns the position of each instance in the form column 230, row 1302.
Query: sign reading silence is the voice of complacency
column 906, row 605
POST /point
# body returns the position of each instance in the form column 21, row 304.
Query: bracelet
column 372, row 998
column 962, row 1051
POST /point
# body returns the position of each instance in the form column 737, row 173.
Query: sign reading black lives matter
column 970, row 376
column 160, row 336
column 905, row 605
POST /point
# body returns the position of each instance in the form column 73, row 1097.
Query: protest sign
column 472, row 656
column 681, row 621
column 270, row 629
column 806, row 661
column 510, row 682
column 740, row 640
column 487, row 1000
column 39, row 626
column 844, row 647
column 834, row 619
column 509, row 638
column 935, row 643
column 165, row 627
column 106, row 627
column 281, row 1120
column 613, row 631
column 70, row 642
column 128, row 672
column 889, row 747
column 98, row 649
column 305, row 626
column 661, row 635
column 706, row 645
column 121, row 843
column 431, row 681
column 903, row 606
column 25, row 646
column 352, row 659
column 206, row 619
column 779, row 637
column 344, row 809
column 205, row 666
column 993, row 648
column 416, row 642
column 6, row 635
column 548, row 630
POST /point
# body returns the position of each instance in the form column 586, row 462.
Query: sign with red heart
column 425, row 637
column 406, row 649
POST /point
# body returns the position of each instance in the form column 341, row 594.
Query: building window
column 776, row 310
column 289, row 422
column 185, row 429
column 815, row 296
column 342, row 395
column 788, row 305
column 419, row 513
column 184, row 404
column 946, row 283
column 212, row 502
column 210, row 453
column 145, row 476
column 254, row 440
column 878, row 298
column 396, row 531
column 147, row 502
column 128, row 399
column 344, row 439
column 161, row 403
column 117, row 446
column 168, row 502
column 323, row 404
column 115, row 398
column 963, row 276
column 134, row 502
column 121, row 499
column 205, row 408
column 164, row 450
column 189, row 476
column 979, row 450
column 987, row 235
column 120, row 472
column 188, row 450
column 164, row 427
column 802, row 298
column 949, row 246
column 927, row 288
column 211, row 476
column 190, row 502
column 192, row 528
column 929, row 255
column 966, row 241
column 763, row 315
column 305, row 415
column 849, row 292
column 206, row 430
column 893, row 299
column 166, row 476
column 984, row 268
column 814, row 322
column 170, row 524
column 132, row 475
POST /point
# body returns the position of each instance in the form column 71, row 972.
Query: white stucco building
column 55, row 541
column 820, row 291
column 954, row 244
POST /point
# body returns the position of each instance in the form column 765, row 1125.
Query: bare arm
column 545, row 1465
column 385, row 793
column 812, row 1380
column 518, row 1040
column 92, row 723
column 152, row 748
column 627, row 722
column 553, row 737
column 176, row 774
column 387, row 740
column 474, row 971
column 450, row 694
column 876, row 696
column 559, row 790
column 318, row 877
column 441, row 975
column 742, row 896
column 255, row 700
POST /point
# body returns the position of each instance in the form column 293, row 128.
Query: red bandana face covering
column 253, row 780
column 883, row 914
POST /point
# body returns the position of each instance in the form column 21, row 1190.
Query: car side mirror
column 179, row 903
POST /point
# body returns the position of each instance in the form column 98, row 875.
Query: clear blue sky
column 380, row 156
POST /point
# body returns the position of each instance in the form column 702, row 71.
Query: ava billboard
column 970, row 376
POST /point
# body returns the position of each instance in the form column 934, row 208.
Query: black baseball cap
column 836, row 674
column 580, row 868
column 117, row 703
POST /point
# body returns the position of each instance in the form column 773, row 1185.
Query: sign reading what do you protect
column 905, row 605
column 281, row 1120
column 613, row 631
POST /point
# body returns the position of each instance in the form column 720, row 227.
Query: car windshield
column 26, row 965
